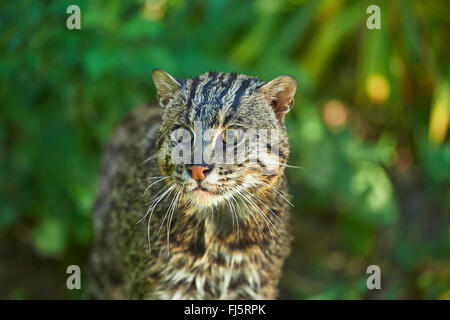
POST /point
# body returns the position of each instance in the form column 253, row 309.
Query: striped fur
column 229, row 243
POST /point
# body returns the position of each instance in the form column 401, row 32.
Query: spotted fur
column 228, row 243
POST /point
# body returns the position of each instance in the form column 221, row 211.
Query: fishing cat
column 202, row 230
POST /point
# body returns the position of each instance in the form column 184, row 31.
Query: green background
column 369, row 130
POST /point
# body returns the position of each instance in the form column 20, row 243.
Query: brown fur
column 230, row 250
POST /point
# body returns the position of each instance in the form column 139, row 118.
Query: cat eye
column 232, row 136
column 181, row 135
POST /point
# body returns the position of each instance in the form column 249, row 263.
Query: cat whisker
column 266, row 206
column 236, row 215
column 276, row 163
column 257, row 199
column 153, row 205
column 168, row 192
column 279, row 192
column 263, row 215
column 290, row 166
column 159, row 180
column 249, row 210
column 167, row 214
column 149, row 159
column 231, row 212
column 157, row 194
column 153, row 178
column 259, row 211
column 169, row 221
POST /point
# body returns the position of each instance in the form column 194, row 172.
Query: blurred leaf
column 49, row 237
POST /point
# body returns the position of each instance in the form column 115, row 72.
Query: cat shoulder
column 131, row 141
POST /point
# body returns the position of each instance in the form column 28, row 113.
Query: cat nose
column 199, row 173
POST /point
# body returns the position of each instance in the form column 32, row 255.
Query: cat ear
column 166, row 85
column 280, row 94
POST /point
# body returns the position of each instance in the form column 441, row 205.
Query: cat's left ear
column 166, row 85
column 280, row 94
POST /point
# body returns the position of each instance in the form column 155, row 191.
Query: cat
column 167, row 229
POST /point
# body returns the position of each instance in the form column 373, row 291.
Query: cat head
column 222, row 134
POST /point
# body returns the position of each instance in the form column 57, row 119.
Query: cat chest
column 211, row 276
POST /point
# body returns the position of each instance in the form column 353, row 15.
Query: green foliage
column 369, row 129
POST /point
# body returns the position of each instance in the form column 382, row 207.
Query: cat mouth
column 200, row 188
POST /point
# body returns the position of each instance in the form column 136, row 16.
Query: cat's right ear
column 166, row 85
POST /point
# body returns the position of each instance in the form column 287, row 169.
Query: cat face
column 222, row 134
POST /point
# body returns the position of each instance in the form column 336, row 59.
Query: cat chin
column 204, row 198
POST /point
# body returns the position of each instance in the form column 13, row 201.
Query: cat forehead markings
column 209, row 92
